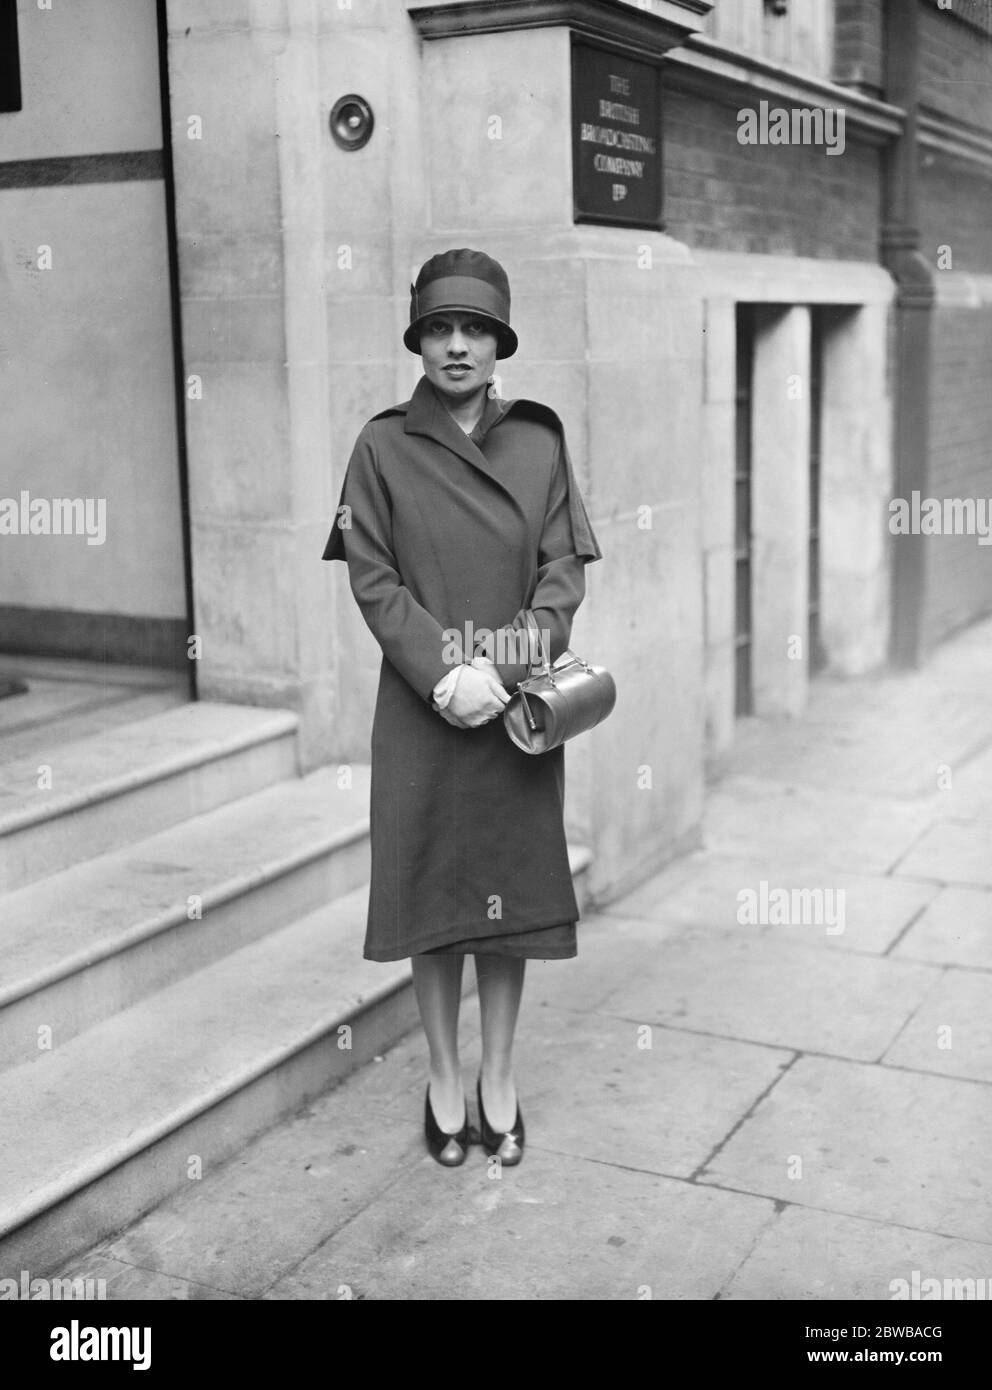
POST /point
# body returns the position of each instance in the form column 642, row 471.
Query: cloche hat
column 466, row 280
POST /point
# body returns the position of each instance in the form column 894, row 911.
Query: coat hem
column 454, row 936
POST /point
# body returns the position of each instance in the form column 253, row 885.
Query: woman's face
column 459, row 352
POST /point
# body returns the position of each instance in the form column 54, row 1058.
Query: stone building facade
column 745, row 389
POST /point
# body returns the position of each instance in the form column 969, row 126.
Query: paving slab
column 706, row 893
column 955, row 929
column 843, row 831
column 247, row 1223
column 805, row 1255
column 782, row 993
column 969, row 796
column 127, row 1282
column 895, row 1146
column 889, row 735
column 348, row 1162
column 954, row 854
column 644, row 901
column 611, row 950
column 557, row 1227
column 877, row 910
column 700, row 886
column 586, row 1087
column 952, row 1031
column 966, row 659
column 589, row 1089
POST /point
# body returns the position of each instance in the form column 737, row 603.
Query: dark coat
column 440, row 529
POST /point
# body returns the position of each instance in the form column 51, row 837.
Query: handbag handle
column 535, row 644
column 543, row 666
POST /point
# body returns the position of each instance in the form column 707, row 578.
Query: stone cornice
column 649, row 33
column 952, row 137
column 716, row 71
column 784, row 279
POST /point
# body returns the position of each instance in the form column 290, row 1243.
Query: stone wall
column 293, row 265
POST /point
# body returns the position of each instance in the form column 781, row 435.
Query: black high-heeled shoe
column 508, row 1146
column 449, row 1150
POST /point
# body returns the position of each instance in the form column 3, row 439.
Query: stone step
column 100, row 674
column 105, row 1127
column 128, row 782
column 124, row 925
column 27, row 733
column 109, row 1124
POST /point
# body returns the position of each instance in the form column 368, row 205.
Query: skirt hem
column 550, row 941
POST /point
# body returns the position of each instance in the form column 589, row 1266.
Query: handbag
column 556, row 702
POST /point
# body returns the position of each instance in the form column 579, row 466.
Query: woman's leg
column 437, row 981
column 501, row 981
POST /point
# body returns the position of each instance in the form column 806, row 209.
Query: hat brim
column 506, row 339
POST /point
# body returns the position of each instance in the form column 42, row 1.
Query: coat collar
column 427, row 415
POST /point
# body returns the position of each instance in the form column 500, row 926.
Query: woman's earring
column 493, row 390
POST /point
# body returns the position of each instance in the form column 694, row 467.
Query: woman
column 458, row 512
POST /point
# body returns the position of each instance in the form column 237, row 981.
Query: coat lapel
column 426, row 415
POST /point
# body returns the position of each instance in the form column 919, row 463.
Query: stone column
column 780, row 510
column 716, row 472
column 288, row 290
column 856, row 485
column 245, row 117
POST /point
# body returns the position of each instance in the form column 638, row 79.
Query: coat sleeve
column 409, row 637
column 562, row 558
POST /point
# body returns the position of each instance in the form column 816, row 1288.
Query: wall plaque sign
column 616, row 138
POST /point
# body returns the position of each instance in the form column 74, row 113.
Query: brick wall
column 858, row 44
column 960, row 570
column 956, row 50
column 955, row 198
column 955, row 211
column 956, row 66
column 772, row 199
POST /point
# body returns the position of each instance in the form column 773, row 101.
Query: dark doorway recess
column 10, row 61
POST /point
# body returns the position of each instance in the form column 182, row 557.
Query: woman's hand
column 479, row 697
column 449, row 718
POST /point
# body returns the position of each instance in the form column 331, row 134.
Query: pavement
column 734, row 1092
